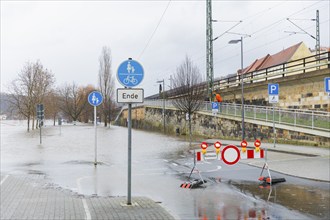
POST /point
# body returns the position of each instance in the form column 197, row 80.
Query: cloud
column 68, row 37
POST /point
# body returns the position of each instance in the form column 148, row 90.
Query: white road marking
column 4, row 179
column 87, row 212
column 175, row 164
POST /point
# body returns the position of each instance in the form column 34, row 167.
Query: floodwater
column 160, row 164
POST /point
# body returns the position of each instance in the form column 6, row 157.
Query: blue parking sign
column 215, row 105
column 273, row 89
column 327, row 84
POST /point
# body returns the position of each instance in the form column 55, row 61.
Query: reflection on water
column 225, row 205
column 305, row 199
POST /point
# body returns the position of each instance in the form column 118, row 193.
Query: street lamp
column 242, row 75
column 163, row 90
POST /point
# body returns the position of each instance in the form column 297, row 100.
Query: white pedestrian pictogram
column 129, row 67
column 95, row 100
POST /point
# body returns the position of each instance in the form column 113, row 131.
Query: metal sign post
column 40, row 132
column 273, row 94
column 129, row 155
column 95, row 136
column 95, row 98
column 60, row 124
column 40, row 117
column 274, row 131
column 130, row 73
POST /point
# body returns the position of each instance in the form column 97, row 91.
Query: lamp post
column 163, row 90
column 242, row 83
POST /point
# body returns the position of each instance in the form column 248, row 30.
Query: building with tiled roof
column 294, row 52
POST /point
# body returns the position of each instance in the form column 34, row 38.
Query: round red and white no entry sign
column 230, row 155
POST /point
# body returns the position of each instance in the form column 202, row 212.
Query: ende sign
column 130, row 95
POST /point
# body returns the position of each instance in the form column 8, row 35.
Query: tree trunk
column 28, row 124
column 105, row 119
column 109, row 116
column 32, row 123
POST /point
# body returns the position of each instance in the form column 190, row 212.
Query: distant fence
column 316, row 120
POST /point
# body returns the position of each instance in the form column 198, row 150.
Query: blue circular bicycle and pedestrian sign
column 130, row 73
column 95, row 98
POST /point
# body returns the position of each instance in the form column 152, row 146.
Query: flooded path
column 159, row 165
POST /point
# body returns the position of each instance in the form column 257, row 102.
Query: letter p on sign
column 273, row 89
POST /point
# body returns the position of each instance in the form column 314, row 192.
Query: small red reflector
column 257, row 143
column 217, row 144
column 204, row 145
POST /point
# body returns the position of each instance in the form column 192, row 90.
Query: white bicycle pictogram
column 130, row 79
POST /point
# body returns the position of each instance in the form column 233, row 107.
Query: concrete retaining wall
column 209, row 126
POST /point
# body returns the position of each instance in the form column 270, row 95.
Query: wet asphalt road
column 160, row 165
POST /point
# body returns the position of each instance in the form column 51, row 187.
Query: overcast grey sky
column 67, row 36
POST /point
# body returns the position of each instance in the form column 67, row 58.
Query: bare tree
column 190, row 93
column 52, row 102
column 72, row 101
column 32, row 85
column 44, row 81
column 88, row 112
column 106, row 83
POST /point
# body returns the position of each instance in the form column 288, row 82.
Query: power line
column 153, row 33
column 263, row 29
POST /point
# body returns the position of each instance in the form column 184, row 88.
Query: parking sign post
column 273, row 93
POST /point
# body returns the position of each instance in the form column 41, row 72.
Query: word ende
column 130, row 95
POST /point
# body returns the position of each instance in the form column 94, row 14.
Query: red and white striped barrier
column 230, row 154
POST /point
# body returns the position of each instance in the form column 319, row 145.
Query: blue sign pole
column 95, row 98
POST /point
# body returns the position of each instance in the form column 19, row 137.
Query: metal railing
column 316, row 120
column 294, row 67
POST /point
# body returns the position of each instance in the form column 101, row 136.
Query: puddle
column 305, row 199
column 36, row 172
column 85, row 162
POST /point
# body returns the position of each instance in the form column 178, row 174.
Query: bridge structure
column 308, row 69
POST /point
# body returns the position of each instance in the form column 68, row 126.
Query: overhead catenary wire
column 257, row 34
column 153, row 33
column 238, row 22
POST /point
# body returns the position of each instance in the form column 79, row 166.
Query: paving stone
column 29, row 197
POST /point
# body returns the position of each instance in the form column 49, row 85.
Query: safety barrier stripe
column 248, row 154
